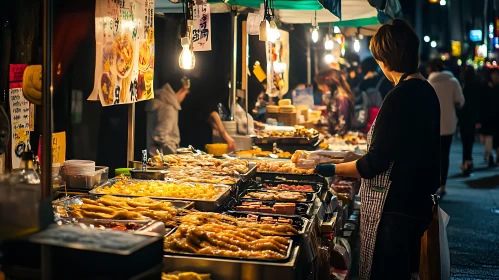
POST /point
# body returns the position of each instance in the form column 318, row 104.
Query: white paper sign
column 19, row 112
column 201, row 28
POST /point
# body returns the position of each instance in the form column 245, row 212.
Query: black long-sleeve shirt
column 407, row 133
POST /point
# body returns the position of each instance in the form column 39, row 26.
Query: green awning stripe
column 357, row 22
column 310, row 5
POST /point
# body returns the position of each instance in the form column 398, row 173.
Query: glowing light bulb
column 328, row 44
column 272, row 32
column 186, row 59
column 433, row 44
column 315, row 35
column 443, row 2
column 336, row 30
column 426, row 38
column 356, row 45
column 459, row 62
column 329, row 58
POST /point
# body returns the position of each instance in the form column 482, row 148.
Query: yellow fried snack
column 162, row 189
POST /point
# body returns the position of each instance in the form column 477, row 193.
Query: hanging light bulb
column 336, row 30
column 272, row 32
column 315, row 35
column 328, row 43
column 187, row 60
column 356, row 45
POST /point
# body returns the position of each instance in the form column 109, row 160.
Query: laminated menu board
column 19, row 113
column 124, row 62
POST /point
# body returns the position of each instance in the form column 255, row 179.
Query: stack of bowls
column 79, row 167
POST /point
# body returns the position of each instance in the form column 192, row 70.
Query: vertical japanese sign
column 59, row 147
column 19, row 113
column 201, row 27
column 124, row 35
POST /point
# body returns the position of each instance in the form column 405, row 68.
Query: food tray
column 67, row 201
column 309, row 197
column 302, row 209
column 148, row 174
column 317, row 187
column 288, row 254
column 289, row 177
column 301, row 224
column 263, row 140
column 199, row 204
column 298, row 140
column 251, row 172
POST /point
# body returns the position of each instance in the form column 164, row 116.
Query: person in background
column 488, row 116
column 260, row 109
column 451, row 98
column 162, row 117
column 373, row 89
column 401, row 169
column 468, row 116
column 338, row 98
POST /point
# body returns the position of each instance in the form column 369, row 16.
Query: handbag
column 435, row 257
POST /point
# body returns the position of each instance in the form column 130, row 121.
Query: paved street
column 473, row 229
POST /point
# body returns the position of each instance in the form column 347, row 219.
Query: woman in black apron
column 402, row 166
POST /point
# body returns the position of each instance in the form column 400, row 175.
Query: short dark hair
column 368, row 65
column 397, row 46
column 437, row 65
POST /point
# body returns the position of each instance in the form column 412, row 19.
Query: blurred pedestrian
column 451, row 98
column 468, row 116
column 489, row 116
column 339, row 100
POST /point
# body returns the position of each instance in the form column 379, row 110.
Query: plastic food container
column 217, row 149
column 86, row 181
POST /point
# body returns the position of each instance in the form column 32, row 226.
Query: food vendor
column 401, row 169
column 162, row 117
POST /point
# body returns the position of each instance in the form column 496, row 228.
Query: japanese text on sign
column 19, row 112
column 201, row 35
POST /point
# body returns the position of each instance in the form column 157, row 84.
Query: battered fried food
column 162, row 189
column 224, row 240
column 281, row 167
column 125, row 208
column 277, row 196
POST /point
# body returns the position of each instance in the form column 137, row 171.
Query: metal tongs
column 194, row 150
column 161, row 156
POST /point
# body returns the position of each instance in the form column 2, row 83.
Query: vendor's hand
column 230, row 142
column 326, row 169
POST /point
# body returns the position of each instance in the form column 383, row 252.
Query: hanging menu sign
column 201, row 27
column 124, row 35
column 19, row 113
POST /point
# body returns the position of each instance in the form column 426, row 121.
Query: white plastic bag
column 443, row 221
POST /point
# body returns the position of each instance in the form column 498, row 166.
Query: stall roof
column 353, row 13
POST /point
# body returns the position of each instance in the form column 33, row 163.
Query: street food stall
column 188, row 214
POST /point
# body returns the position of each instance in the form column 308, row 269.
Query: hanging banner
column 278, row 65
column 124, row 62
column 19, row 114
column 201, row 27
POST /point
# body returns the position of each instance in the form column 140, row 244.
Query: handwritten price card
column 19, row 118
column 201, row 35
column 59, row 147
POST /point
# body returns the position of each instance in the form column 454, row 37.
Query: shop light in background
column 272, row 32
column 495, row 41
column 336, row 30
column 315, row 34
column 329, row 58
column 187, row 60
column 426, row 38
column 315, row 29
column 443, row 2
column 356, row 45
column 491, row 30
column 328, row 43
column 459, row 62
column 433, row 1
column 433, row 44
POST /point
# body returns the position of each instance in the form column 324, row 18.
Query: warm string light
column 187, row 60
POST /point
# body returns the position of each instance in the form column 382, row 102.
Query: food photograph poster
column 124, row 35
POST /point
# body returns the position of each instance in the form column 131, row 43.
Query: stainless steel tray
column 288, row 254
column 301, row 224
column 251, row 172
column 309, row 197
column 199, row 204
column 237, row 269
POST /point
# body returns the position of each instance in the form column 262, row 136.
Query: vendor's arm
column 217, row 124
